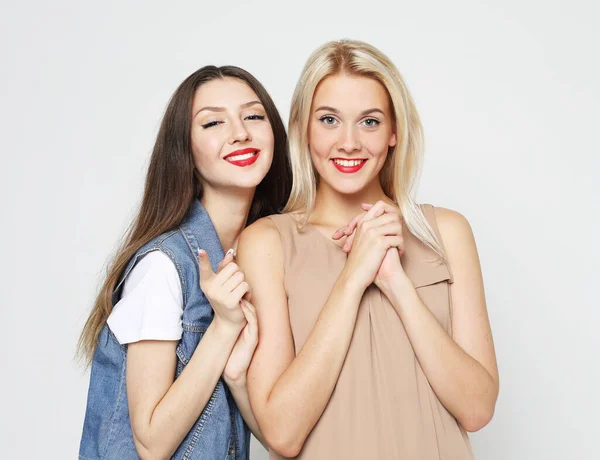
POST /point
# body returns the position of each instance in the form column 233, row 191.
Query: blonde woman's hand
column 243, row 350
column 372, row 236
column 390, row 265
column 224, row 289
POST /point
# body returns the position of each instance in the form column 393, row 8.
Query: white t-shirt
column 151, row 306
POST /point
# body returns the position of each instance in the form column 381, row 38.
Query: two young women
column 368, row 309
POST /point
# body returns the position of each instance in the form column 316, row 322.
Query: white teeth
column 348, row 162
column 245, row 156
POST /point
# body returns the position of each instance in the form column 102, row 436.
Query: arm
column 289, row 393
column 461, row 369
column 236, row 369
column 162, row 410
column 239, row 390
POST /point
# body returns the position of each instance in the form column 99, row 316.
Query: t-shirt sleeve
column 151, row 307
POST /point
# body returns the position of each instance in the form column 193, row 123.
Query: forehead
column 351, row 92
column 223, row 92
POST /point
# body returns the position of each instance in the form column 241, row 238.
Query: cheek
column 377, row 145
column 205, row 149
column 321, row 142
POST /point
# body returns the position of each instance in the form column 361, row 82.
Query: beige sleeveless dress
column 382, row 406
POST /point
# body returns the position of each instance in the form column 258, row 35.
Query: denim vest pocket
column 190, row 339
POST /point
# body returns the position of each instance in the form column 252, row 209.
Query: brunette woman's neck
column 335, row 209
column 228, row 211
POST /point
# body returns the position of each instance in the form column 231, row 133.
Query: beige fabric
column 382, row 406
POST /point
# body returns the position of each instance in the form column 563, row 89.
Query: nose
column 349, row 141
column 239, row 132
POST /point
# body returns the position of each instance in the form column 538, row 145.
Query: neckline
column 328, row 239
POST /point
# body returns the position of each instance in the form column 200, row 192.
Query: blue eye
column 371, row 122
column 328, row 120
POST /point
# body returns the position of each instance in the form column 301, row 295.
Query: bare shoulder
column 458, row 240
column 259, row 246
column 262, row 233
column 453, row 226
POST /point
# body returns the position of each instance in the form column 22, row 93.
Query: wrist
column 349, row 285
column 396, row 286
column 226, row 329
column 235, row 382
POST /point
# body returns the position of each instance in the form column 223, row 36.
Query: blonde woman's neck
column 333, row 209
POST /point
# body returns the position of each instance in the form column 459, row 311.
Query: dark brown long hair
column 172, row 184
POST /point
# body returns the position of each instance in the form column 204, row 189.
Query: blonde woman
column 374, row 340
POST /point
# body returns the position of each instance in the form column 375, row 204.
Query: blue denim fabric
column 220, row 432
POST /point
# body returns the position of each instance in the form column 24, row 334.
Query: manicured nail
column 201, row 252
column 231, row 251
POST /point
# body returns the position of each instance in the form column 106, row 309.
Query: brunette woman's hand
column 243, row 350
column 373, row 235
column 224, row 289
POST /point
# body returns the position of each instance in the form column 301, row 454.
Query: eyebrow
column 363, row 113
column 222, row 109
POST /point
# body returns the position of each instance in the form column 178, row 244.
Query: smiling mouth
column 243, row 157
column 348, row 166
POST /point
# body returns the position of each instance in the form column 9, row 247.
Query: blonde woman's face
column 350, row 131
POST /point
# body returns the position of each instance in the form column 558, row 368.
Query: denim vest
column 220, row 432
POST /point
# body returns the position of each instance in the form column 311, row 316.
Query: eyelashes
column 373, row 122
column 370, row 122
column 253, row 117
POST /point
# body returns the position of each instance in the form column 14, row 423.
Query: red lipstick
column 248, row 157
column 349, row 169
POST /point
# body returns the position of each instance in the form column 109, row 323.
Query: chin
column 247, row 179
column 348, row 186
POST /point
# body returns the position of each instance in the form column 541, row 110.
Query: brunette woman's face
column 350, row 131
column 232, row 139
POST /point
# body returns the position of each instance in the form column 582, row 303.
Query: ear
column 393, row 140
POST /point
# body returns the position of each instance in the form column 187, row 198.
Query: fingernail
column 231, row 251
column 201, row 252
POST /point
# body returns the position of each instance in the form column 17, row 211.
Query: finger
column 374, row 212
column 236, row 279
column 227, row 259
column 386, row 219
column 382, row 220
column 251, row 318
column 227, row 272
column 393, row 228
column 239, row 292
column 387, row 207
column 348, row 244
column 353, row 223
column 204, row 264
column 393, row 241
column 349, row 228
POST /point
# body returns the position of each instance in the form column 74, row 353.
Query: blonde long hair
column 400, row 173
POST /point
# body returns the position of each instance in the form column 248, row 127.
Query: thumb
column 204, row 263
column 226, row 260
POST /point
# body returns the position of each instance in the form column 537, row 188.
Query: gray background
column 508, row 93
